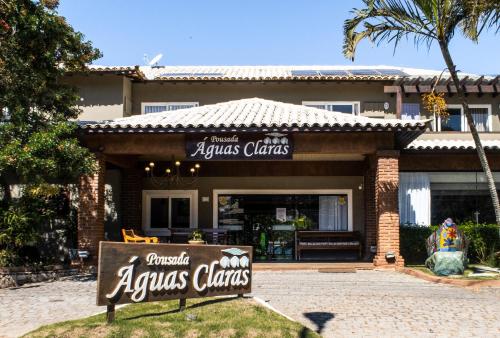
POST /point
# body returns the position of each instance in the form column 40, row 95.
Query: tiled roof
column 248, row 115
column 132, row 71
column 277, row 73
column 263, row 73
column 98, row 68
column 440, row 144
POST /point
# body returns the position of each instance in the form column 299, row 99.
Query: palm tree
column 428, row 21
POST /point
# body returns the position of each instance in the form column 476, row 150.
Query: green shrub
column 412, row 243
column 484, row 242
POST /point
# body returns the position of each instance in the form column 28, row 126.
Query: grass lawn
column 206, row 317
column 466, row 274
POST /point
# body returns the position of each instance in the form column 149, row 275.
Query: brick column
column 131, row 198
column 370, row 206
column 386, row 200
column 91, row 211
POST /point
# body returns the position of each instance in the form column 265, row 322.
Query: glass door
column 164, row 209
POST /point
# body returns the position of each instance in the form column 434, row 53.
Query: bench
column 129, row 236
column 327, row 241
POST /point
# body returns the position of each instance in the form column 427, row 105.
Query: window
column 411, row 111
column 326, row 209
column 461, row 203
column 163, row 209
column 456, row 121
column 267, row 219
column 348, row 107
column 157, row 107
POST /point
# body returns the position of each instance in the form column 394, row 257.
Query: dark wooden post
column 182, row 304
column 110, row 313
column 399, row 102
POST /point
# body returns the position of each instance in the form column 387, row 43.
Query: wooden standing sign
column 132, row 273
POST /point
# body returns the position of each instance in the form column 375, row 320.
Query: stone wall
column 16, row 276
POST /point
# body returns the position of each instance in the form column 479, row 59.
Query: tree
column 428, row 21
column 38, row 145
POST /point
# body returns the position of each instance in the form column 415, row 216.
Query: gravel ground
column 366, row 303
column 380, row 304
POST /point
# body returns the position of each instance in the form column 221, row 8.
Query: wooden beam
column 391, row 89
column 487, row 88
column 441, row 89
column 471, row 89
column 424, row 88
column 399, row 103
column 410, row 89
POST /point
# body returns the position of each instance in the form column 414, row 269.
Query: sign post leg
column 182, row 304
column 240, row 295
column 110, row 313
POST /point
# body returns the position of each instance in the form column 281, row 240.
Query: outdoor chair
column 129, row 236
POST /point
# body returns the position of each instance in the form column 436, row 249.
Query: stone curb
column 272, row 308
column 450, row 281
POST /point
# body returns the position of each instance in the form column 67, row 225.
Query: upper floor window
column 348, row 107
column 411, row 111
column 456, row 121
column 157, row 107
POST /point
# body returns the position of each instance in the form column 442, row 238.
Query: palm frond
column 478, row 15
column 388, row 20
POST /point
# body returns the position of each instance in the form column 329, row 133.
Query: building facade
column 263, row 150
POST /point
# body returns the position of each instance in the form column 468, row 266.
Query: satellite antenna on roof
column 154, row 61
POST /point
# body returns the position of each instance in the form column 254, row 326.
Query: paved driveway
column 26, row 308
column 380, row 304
column 366, row 303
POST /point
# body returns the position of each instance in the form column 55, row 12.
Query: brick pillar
column 91, row 211
column 131, row 198
column 386, row 200
column 370, row 207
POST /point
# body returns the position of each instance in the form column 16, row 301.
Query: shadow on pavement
column 319, row 318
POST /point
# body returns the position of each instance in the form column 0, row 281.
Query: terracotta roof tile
column 249, row 114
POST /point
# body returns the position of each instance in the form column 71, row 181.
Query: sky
column 257, row 32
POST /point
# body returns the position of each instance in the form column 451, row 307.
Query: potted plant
column 196, row 237
column 302, row 223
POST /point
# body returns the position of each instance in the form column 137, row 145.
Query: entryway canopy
column 322, row 147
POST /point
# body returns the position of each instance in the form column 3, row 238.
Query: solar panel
column 207, row 74
column 333, row 72
column 192, row 74
column 307, row 72
column 176, row 74
column 392, row 72
column 363, row 72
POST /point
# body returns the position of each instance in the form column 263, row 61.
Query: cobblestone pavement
column 28, row 307
column 366, row 303
column 380, row 304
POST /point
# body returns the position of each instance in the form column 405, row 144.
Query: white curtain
column 333, row 213
column 414, row 198
column 411, row 111
column 480, row 118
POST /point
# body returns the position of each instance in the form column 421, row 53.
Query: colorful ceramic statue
column 448, row 233
column 447, row 250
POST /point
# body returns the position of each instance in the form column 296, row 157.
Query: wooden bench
column 327, row 241
column 211, row 236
